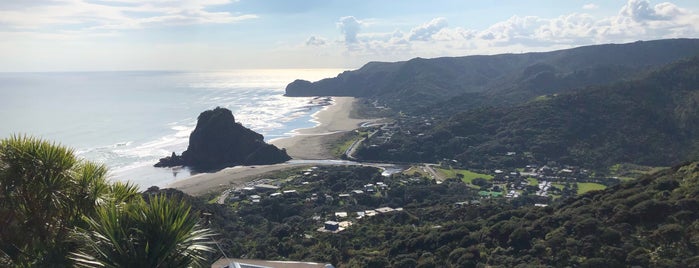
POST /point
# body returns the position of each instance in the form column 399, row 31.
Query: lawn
column 416, row 170
column 560, row 186
column 625, row 179
column 468, row 175
column 584, row 187
column 533, row 181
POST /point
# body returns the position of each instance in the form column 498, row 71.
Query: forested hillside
column 653, row 121
column 417, row 85
column 650, row 222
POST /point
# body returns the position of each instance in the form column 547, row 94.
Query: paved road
column 435, row 175
column 353, row 148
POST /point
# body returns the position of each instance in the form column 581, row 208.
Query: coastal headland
column 306, row 144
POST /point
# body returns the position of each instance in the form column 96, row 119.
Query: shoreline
column 306, row 144
column 332, row 121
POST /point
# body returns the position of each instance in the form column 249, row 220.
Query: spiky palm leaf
column 44, row 190
column 160, row 233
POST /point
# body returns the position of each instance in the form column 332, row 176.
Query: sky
column 113, row 35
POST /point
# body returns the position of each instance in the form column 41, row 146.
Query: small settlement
column 300, row 187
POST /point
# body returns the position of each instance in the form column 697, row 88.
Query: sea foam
column 128, row 120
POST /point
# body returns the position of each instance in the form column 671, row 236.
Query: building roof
column 266, row 187
column 384, row 209
column 245, row 263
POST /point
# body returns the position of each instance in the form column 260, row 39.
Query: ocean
column 128, row 120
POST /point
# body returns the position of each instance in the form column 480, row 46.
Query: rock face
column 218, row 142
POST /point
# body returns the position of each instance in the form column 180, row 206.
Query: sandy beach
column 312, row 143
column 306, row 144
column 224, row 179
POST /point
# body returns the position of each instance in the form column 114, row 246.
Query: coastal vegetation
column 425, row 86
column 344, row 143
column 648, row 222
column 649, row 121
column 539, row 159
column 60, row 211
column 622, row 107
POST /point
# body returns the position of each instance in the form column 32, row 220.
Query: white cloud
column 638, row 10
column 590, row 6
column 349, row 26
column 636, row 20
column 113, row 14
column 425, row 31
column 316, row 41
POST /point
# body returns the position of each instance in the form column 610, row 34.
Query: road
column 353, row 148
column 435, row 175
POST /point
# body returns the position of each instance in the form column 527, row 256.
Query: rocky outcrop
column 218, row 142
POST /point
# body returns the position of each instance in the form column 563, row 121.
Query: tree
column 159, row 233
column 47, row 193
column 44, row 192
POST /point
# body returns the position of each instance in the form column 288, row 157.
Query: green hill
column 648, row 222
column 653, row 121
column 420, row 84
column 651, row 222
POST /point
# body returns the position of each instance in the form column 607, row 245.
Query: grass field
column 416, row 170
column 533, row 181
column 584, row 187
column 468, row 175
column 558, row 185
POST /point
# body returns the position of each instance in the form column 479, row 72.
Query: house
column 290, row 192
column 460, row 204
column 332, row 226
column 384, row 210
column 341, row 214
column 266, row 187
column 248, row 263
column 357, row 192
column 275, row 194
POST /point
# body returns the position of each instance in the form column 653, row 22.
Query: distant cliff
column 506, row 79
column 219, row 142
